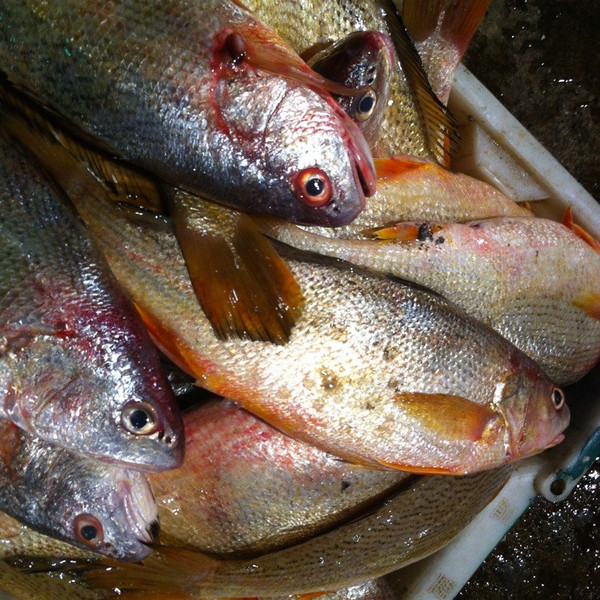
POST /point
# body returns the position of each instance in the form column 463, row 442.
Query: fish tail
column 169, row 573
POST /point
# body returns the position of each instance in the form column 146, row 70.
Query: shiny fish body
column 171, row 87
column 246, row 488
column 409, row 526
column 89, row 503
column 364, row 348
column 532, row 280
column 77, row 367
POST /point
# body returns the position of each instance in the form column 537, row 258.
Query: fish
column 246, row 489
column 89, row 503
column 408, row 526
column 368, row 367
column 415, row 122
column 533, row 280
column 77, row 365
column 361, row 60
column 410, row 189
column 22, row 551
column 230, row 112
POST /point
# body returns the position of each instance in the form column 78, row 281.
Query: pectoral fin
column 451, row 417
column 407, row 232
column 243, row 286
column 397, row 167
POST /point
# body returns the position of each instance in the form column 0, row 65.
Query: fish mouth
column 362, row 160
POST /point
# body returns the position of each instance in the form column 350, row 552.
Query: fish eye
column 312, row 187
column 88, row 530
column 366, row 105
column 139, row 418
column 558, row 397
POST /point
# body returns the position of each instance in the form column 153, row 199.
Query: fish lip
column 362, row 161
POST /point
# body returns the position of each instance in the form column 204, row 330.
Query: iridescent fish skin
column 368, row 368
column 77, row 365
column 246, row 489
column 182, row 89
column 88, row 503
column 408, row 526
column 362, row 60
column 533, row 280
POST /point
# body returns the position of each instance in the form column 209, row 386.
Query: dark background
column 541, row 59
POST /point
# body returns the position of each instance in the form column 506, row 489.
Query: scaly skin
column 61, row 494
column 76, row 362
column 367, row 369
column 180, row 89
column 532, row 280
column 247, row 489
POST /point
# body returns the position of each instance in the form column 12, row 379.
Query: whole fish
column 409, row 526
column 229, row 111
column 415, row 122
column 89, row 503
column 246, row 488
column 363, row 60
column 77, row 366
column 533, row 280
column 376, row 371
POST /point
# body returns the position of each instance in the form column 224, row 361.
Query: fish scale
column 367, row 368
column 76, row 360
column 102, row 68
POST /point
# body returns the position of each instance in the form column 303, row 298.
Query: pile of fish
column 379, row 339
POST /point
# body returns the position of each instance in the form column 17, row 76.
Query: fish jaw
column 535, row 413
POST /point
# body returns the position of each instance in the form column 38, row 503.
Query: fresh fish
column 86, row 502
column 77, row 366
column 415, row 122
column 246, row 488
column 409, row 526
column 229, row 111
column 362, row 60
column 376, row 371
column 377, row 589
column 409, row 188
column 533, row 280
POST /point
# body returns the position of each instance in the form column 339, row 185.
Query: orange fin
column 590, row 304
column 407, row 232
column 579, row 231
column 397, row 167
column 169, row 571
column 441, row 128
column 243, row 286
column 457, row 20
column 452, row 417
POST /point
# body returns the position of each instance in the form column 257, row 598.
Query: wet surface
column 541, row 59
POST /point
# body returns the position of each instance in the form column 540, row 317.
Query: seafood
column 86, row 502
column 368, row 369
column 533, row 280
column 229, row 112
column 77, row 366
column 246, row 488
column 409, row 526
column 415, row 123
column 361, row 60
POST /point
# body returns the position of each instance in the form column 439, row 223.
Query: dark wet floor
column 541, row 58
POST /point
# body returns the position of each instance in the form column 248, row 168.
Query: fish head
column 305, row 160
column 363, row 60
column 534, row 411
column 103, row 508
